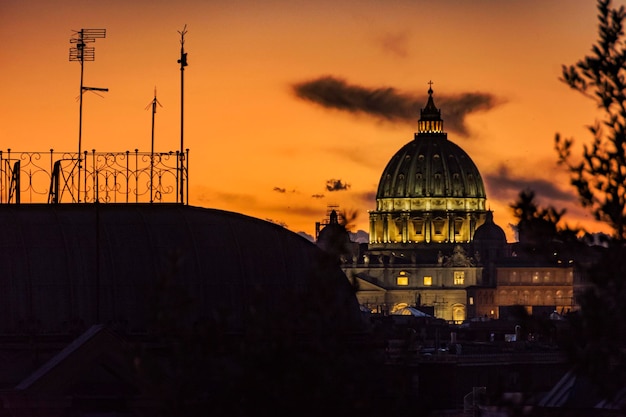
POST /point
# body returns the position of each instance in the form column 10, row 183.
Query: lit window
column 438, row 226
column 458, row 225
column 428, row 281
column 402, row 279
column 459, row 277
column 471, row 301
column 535, row 277
column 546, row 276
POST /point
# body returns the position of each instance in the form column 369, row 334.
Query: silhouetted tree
column 600, row 176
column 599, row 334
column 535, row 224
column 540, row 230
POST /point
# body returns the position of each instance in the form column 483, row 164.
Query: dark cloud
column 283, row 190
column 387, row 103
column 336, row 185
column 504, row 186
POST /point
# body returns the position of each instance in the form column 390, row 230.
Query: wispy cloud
column 283, row 190
column 395, row 43
column 389, row 104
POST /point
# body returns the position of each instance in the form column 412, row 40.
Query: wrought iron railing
column 106, row 177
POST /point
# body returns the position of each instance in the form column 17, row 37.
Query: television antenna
column 152, row 104
column 83, row 53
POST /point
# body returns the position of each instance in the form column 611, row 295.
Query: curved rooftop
column 82, row 264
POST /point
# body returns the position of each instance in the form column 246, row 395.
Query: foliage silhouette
column 598, row 335
column 600, row 175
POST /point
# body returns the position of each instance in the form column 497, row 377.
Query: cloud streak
column 503, row 185
column 389, row 104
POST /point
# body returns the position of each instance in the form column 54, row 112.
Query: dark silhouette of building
column 141, row 309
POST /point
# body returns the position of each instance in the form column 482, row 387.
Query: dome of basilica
column 430, row 191
column 430, row 165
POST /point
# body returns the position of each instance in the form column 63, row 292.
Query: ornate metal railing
column 107, row 177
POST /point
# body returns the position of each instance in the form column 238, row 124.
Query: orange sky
column 259, row 148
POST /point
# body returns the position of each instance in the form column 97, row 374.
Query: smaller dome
column 334, row 238
column 489, row 232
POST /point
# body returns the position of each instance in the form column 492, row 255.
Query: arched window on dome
column 471, row 185
column 387, row 185
column 419, row 184
column 400, row 190
column 457, row 188
column 437, row 184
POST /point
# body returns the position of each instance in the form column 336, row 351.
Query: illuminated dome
column 430, row 191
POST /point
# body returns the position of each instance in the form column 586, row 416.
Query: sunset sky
column 292, row 106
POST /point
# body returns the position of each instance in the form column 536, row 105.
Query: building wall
column 456, row 293
column 384, row 288
column 536, row 286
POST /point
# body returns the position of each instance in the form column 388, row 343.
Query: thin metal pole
column 152, row 150
column 152, row 104
column 183, row 63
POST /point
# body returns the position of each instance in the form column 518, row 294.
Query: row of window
column 535, row 277
column 402, row 280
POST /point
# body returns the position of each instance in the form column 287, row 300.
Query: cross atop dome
column 430, row 116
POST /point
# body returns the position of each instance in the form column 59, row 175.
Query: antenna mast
column 81, row 53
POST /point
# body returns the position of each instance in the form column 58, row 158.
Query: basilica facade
column 434, row 245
